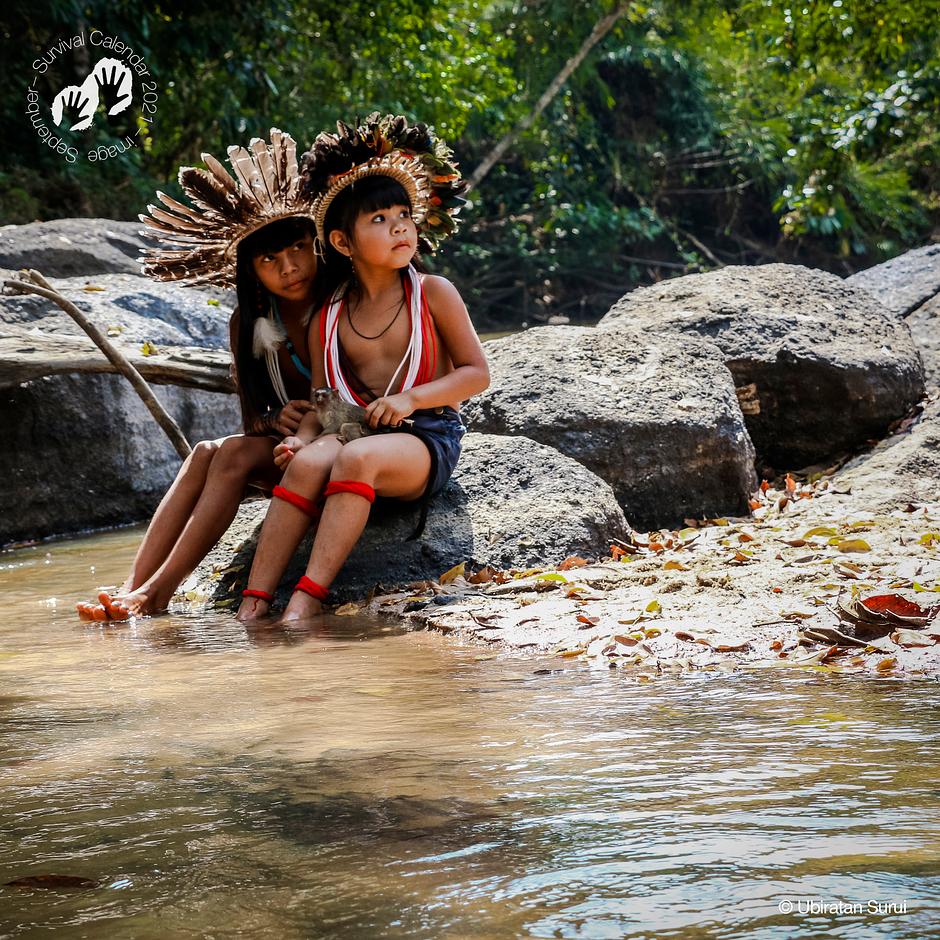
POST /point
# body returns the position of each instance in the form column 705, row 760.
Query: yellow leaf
column 575, row 652
column 675, row 566
column 919, row 588
column 654, row 607
column 212, row 302
column 853, row 545
column 148, row 349
column 553, row 576
column 886, row 665
column 826, row 530
column 452, row 573
column 686, row 533
column 91, row 287
column 928, row 538
column 651, row 632
column 347, row 610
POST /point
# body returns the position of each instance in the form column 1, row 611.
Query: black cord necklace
column 377, row 335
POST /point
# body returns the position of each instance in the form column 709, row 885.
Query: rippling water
column 357, row 781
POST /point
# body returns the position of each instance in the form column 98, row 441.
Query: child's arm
column 309, row 428
column 471, row 374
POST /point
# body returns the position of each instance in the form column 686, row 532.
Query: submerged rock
column 656, row 417
column 511, row 503
column 831, row 368
column 904, row 283
column 67, row 247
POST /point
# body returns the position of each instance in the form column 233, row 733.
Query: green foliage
column 695, row 133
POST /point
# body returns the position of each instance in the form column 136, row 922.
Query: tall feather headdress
column 387, row 146
column 199, row 242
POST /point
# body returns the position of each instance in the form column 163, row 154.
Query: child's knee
column 352, row 462
column 241, row 455
column 308, row 461
column 202, row 455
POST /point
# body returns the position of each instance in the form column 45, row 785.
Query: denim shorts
column 442, row 431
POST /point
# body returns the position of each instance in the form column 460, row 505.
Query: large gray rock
column 143, row 309
column 924, row 324
column 81, row 452
column 903, row 283
column 657, row 418
column 832, row 369
column 511, row 503
column 66, row 247
column 903, row 469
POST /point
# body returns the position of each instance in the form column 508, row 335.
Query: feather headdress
column 199, row 243
column 388, row 146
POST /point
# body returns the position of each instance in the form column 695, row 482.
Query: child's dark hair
column 255, row 391
column 369, row 194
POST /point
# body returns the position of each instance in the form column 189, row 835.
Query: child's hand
column 290, row 416
column 390, row 411
column 284, row 452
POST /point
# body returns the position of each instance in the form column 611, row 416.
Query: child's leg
column 236, row 461
column 286, row 523
column 166, row 525
column 172, row 514
column 396, row 465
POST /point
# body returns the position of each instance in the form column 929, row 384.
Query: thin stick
column 37, row 284
column 601, row 29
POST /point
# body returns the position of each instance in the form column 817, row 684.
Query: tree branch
column 601, row 29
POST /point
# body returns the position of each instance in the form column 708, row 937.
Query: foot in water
column 118, row 607
column 109, row 608
column 301, row 607
column 252, row 609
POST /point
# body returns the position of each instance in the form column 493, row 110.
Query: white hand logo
column 110, row 79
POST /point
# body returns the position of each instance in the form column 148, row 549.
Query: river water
column 359, row 781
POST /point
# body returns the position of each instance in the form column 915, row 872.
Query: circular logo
column 785, row 907
column 118, row 92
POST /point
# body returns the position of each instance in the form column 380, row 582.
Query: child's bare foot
column 252, row 609
column 301, row 607
column 140, row 603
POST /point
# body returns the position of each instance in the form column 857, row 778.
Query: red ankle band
column 263, row 595
column 295, row 499
column 311, row 587
column 350, row 486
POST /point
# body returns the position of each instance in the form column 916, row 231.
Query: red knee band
column 295, row 499
column 350, row 486
column 308, row 586
column 264, row 595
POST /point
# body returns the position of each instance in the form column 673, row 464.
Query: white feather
column 268, row 336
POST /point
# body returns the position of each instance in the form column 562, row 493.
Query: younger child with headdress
column 385, row 336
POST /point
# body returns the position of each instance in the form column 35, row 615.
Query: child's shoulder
column 438, row 290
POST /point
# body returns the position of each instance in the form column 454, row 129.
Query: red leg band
column 311, row 587
column 350, row 486
column 263, row 595
column 295, row 499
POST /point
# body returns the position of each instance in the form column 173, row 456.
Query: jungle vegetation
column 694, row 134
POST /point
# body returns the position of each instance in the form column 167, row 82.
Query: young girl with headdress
column 386, row 337
column 255, row 231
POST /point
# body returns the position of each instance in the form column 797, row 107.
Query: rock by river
column 68, row 247
column 82, row 451
column 656, row 417
column 825, row 366
column 512, row 502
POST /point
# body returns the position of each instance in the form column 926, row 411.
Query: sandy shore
column 759, row 592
